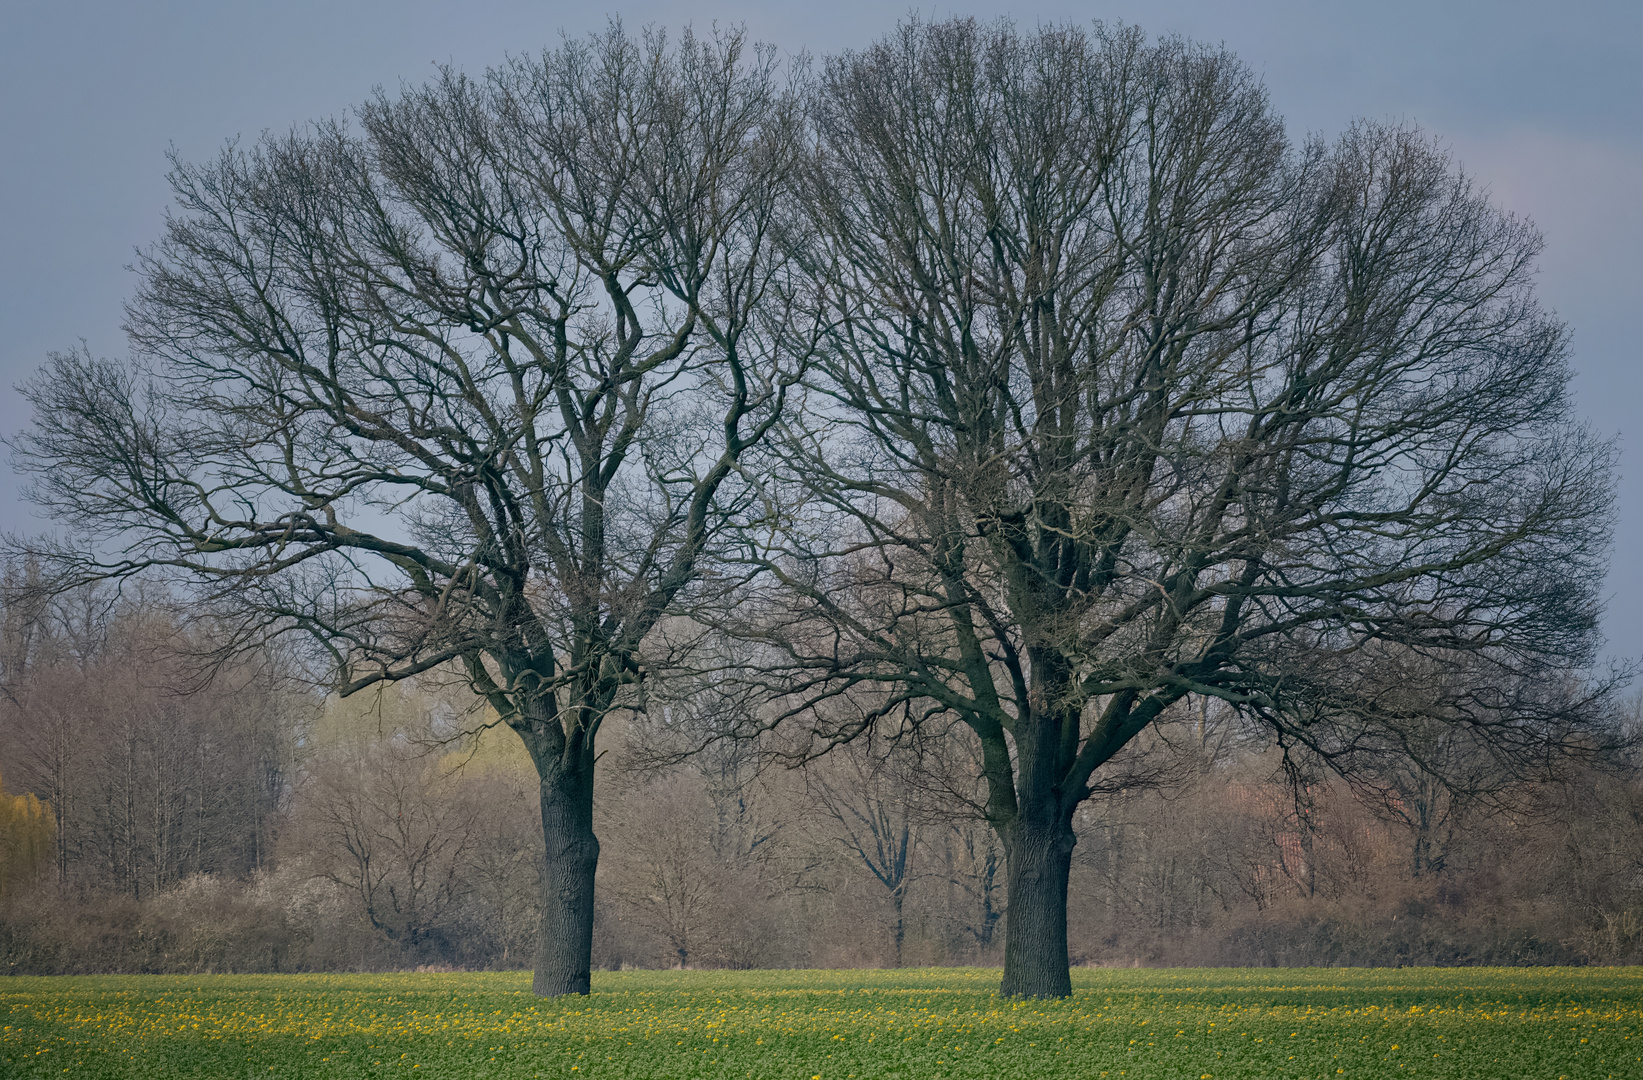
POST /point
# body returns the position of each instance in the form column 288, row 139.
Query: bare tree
column 504, row 867
column 470, row 386
column 152, row 776
column 701, row 868
column 975, row 867
column 386, row 824
column 674, row 884
column 870, row 801
column 1124, row 398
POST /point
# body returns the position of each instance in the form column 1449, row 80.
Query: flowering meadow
column 1217, row 1024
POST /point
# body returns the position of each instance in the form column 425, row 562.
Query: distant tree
column 27, row 829
column 1124, row 398
column 670, row 879
column 469, row 386
column 387, row 826
column 873, row 811
column 153, row 776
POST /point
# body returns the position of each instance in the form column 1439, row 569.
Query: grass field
column 833, row 1025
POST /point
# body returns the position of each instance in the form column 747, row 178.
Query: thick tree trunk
column 564, row 946
column 1035, row 922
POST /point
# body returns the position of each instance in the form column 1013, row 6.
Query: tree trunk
column 1035, row 923
column 898, row 895
column 564, row 948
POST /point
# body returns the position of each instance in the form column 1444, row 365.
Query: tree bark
column 1035, row 922
column 564, row 947
column 897, row 897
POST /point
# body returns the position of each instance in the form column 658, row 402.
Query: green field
column 832, row 1025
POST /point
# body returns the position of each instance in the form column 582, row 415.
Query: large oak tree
column 466, row 384
column 1125, row 398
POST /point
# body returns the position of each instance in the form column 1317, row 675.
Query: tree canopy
column 1019, row 385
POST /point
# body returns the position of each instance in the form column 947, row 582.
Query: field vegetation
column 1212, row 1024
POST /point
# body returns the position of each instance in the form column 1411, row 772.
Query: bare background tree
column 470, row 386
column 874, row 811
column 152, row 778
column 1211, row 863
column 1125, row 399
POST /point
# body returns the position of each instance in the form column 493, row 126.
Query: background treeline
column 155, row 820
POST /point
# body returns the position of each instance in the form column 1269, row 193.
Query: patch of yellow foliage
column 26, row 830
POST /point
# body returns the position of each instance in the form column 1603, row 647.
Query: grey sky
column 1544, row 102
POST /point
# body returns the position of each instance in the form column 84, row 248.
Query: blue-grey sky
column 1542, row 101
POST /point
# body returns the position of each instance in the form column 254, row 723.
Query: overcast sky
column 1542, row 101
